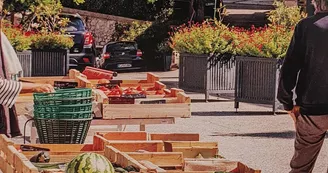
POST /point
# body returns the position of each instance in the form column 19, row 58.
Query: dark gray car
column 121, row 55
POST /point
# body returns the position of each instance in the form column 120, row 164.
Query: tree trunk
column 196, row 10
column 199, row 7
column 192, row 11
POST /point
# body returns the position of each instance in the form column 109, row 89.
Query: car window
column 75, row 24
column 121, row 47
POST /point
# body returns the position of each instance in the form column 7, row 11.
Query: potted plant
column 259, row 53
column 164, row 57
column 206, row 64
column 21, row 43
column 50, row 54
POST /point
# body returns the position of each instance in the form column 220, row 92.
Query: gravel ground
column 253, row 135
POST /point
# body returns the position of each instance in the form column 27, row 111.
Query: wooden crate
column 130, row 146
column 174, row 136
column 59, row 153
column 178, row 106
column 100, row 138
column 73, row 76
column 173, row 162
column 193, row 149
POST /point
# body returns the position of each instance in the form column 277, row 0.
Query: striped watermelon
column 90, row 163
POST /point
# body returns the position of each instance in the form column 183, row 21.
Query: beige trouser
column 310, row 134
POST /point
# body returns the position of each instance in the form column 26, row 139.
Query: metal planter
column 50, row 62
column 206, row 74
column 25, row 59
column 256, row 80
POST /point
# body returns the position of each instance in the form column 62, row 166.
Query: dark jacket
column 307, row 56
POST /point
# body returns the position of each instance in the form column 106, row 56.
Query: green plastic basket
column 64, row 94
column 63, row 131
column 67, row 101
column 62, row 108
column 63, row 115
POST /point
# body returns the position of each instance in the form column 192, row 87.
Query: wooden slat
column 192, row 144
column 133, row 146
column 3, row 163
column 151, row 167
column 101, row 96
column 162, row 159
column 114, row 111
column 23, row 165
column 46, row 80
column 111, row 153
column 194, row 152
column 193, row 149
column 159, row 85
column 183, row 98
column 29, row 154
column 151, row 78
column 4, row 142
column 115, row 135
column 83, row 82
column 174, row 136
column 217, row 165
column 140, row 121
column 175, row 91
column 11, row 154
column 62, row 147
column 63, row 157
column 125, row 160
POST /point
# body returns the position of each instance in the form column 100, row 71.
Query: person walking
column 306, row 67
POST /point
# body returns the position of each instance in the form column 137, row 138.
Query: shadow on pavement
column 210, row 100
column 233, row 113
column 283, row 135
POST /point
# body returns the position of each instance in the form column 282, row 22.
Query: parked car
column 84, row 51
column 121, row 55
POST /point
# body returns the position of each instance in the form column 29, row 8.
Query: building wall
column 102, row 26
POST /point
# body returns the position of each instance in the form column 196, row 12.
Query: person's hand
column 43, row 88
column 294, row 113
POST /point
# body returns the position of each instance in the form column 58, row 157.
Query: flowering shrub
column 284, row 15
column 208, row 37
column 51, row 41
column 271, row 42
column 18, row 39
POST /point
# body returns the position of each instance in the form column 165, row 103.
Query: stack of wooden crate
column 153, row 152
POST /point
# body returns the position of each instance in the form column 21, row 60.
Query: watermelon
column 90, row 163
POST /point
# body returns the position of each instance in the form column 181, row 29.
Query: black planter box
column 25, row 59
column 256, row 80
column 206, row 74
column 50, row 62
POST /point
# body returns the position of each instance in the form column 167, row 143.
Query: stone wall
column 102, row 26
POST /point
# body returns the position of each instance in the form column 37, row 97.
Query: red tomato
column 139, row 88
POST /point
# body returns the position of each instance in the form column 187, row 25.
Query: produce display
column 130, row 92
column 90, row 162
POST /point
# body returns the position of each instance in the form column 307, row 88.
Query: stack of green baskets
column 63, row 117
